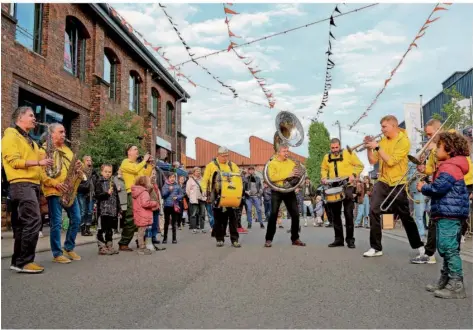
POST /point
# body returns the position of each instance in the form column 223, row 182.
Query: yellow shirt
column 469, row 176
column 350, row 165
column 132, row 170
column 15, row 152
column 278, row 170
column 396, row 167
column 211, row 168
column 48, row 185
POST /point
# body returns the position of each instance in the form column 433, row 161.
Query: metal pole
column 339, row 131
column 421, row 113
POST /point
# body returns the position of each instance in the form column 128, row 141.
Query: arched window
column 134, row 92
column 169, row 113
column 110, row 64
column 155, row 102
column 75, row 35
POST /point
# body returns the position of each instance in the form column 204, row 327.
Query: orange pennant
column 423, row 28
column 387, row 81
column 431, row 21
column 193, row 83
column 232, row 44
column 231, row 34
column 419, row 36
column 439, row 8
column 147, row 43
column 156, row 48
column 413, row 44
column 229, row 11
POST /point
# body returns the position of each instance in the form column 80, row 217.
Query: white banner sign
column 413, row 124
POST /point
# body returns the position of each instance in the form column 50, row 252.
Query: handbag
column 177, row 209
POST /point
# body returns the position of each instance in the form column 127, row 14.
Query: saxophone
column 74, row 177
column 54, row 170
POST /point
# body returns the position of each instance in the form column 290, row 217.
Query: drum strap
column 218, row 166
column 335, row 161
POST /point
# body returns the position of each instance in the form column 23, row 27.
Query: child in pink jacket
column 142, row 209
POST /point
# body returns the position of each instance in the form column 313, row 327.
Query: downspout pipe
column 178, row 106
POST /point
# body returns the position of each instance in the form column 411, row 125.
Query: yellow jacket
column 211, row 168
column 392, row 171
column 15, row 152
column 278, row 170
column 350, row 165
column 48, row 185
column 131, row 170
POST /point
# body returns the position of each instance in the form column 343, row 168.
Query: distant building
column 260, row 152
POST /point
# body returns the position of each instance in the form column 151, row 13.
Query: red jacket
column 142, row 206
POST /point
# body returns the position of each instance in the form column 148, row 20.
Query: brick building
column 260, row 152
column 72, row 63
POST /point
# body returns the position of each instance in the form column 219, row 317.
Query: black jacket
column 257, row 180
column 86, row 186
column 107, row 205
column 160, row 177
column 312, row 191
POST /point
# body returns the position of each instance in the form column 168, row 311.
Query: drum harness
column 218, row 166
column 335, row 161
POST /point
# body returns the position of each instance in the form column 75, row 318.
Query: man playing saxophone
column 391, row 154
column 22, row 163
column 281, row 168
column 341, row 163
column 131, row 169
column 54, row 189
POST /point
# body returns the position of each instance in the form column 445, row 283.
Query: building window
column 169, row 113
column 110, row 73
column 74, row 48
column 134, row 92
column 155, row 102
column 28, row 27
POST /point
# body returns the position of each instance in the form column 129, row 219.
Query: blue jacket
column 448, row 191
column 168, row 195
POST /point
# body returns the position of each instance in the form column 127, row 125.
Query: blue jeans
column 363, row 210
column 419, row 212
column 267, row 209
column 256, row 201
column 55, row 219
column 304, row 209
column 208, row 207
column 86, row 205
column 154, row 231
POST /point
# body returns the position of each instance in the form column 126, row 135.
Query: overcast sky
column 368, row 46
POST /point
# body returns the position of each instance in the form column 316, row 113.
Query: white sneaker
column 463, row 239
column 15, row 268
column 41, row 234
column 150, row 246
column 315, row 225
column 372, row 253
column 305, row 223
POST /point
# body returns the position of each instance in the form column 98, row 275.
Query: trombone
column 418, row 159
column 355, row 148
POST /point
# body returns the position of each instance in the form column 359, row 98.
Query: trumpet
column 355, row 148
column 418, row 159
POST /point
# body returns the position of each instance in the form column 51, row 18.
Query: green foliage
column 106, row 142
column 460, row 118
column 319, row 145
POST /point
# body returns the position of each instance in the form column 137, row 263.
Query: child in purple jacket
column 449, row 208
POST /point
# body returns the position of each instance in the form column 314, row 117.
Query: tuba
column 289, row 130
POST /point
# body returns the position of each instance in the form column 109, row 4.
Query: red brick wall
column 45, row 76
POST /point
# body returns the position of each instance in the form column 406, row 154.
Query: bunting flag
column 419, row 35
column 330, row 64
column 253, row 71
column 188, row 50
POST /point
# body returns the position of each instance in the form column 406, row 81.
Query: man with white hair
column 222, row 215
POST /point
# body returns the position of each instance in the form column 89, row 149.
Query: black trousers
column 221, row 220
column 107, row 225
column 239, row 211
column 431, row 244
column 26, row 223
column 197, row 215
column 170, row 216
column 329, row 213
column 400, row 206
column 336, row 211
column 290, row 200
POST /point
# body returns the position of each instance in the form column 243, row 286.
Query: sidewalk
column 43, row 243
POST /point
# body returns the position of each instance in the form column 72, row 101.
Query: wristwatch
column 377, row 148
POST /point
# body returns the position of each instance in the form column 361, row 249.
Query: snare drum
column 337, row 182
column 334, row 195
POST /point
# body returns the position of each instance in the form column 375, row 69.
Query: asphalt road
column 197, row 285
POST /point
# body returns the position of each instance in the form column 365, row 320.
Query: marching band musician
column 131, row 169
column 53, row 189
column 22, row 164
column 279, row 169
column 391, row 153
column 340, row 163
column 224, row 215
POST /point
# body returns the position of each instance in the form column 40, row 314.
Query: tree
column 106, row 142
column 319, row 145
column 460, row 118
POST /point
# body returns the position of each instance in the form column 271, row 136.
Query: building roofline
column 199, row 138
column 441, row 92
column 462, row 72
column 102, row 11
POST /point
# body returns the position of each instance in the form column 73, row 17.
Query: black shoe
column 351, row 245
column 335, row 244
column 174, row 241
column 165, row 241
column 262, row 226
